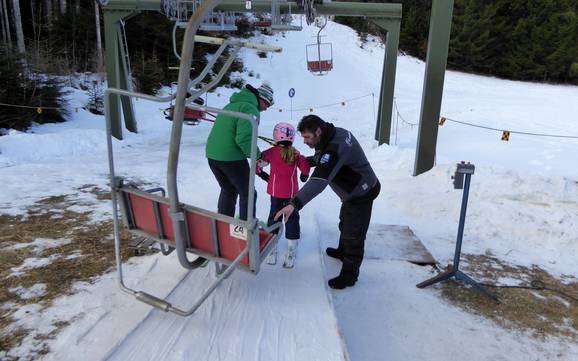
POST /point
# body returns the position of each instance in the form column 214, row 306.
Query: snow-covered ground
column 523, row 209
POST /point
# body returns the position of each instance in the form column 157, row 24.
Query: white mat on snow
column 278, row 314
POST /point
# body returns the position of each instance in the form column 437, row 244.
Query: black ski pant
column 354, row 219
column 233, row 178
column 292, row 229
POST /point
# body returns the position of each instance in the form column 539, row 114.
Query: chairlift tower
column 385, row 15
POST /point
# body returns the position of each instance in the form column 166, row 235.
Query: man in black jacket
column 339, row 162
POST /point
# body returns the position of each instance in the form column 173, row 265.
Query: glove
column 262, row 163
column 264, row 176
column 304, row 177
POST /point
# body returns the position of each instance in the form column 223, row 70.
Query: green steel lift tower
column 385, row 15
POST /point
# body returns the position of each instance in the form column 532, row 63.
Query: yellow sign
column 505, row 136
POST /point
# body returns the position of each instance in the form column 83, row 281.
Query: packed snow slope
column 523, row 199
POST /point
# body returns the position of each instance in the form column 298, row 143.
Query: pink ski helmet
column 284, row 132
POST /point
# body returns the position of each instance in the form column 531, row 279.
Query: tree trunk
column 54, row 6
column 48, row 12
column 100, row 63
column 5, row 34
column 6, row 24
column 17, row 18
column 62, row 7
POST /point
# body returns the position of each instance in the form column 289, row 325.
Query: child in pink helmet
column 282, row 184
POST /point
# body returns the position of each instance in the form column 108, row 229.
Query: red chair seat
column 323, row 65
column 200, row 228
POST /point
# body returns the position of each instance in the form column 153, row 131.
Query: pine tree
column 95, row 98
column 31, row 98
column 147, row 74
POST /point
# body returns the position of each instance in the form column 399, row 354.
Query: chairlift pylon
column 319, row 55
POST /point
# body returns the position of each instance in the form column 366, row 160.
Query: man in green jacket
column 229, row 146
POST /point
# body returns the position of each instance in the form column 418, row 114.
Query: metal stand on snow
column 462, row 169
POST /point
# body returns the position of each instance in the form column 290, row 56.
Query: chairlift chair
column 282, row 22
column 229, row 242
column 264, row 24
column 192, row 116
column 181, row 10
column 319, row 55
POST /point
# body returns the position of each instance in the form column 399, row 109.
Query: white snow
column 523, row 209
column 40, row 244
column 36, row 290
column 32, row 262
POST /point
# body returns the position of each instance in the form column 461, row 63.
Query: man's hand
column 285, row 212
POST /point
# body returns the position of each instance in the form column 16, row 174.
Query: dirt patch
column 101, row 194
column 53, row 247
column 542, row 312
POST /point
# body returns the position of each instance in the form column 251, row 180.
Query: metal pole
column 113, row 186
column 433, row 86
column 384, row 113
column 319, row 47
column 177, row 216
column 462, row 221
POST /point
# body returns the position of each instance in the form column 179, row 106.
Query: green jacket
column 230, row 138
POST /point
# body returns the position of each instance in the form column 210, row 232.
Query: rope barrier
column 505, row 133
column 509, row 131
column 27, row 106
column 342, row 103
column 396, row 108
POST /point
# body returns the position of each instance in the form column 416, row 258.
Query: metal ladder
column 125, row 54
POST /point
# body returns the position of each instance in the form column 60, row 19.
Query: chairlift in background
column 319, row 55
column 181, row 10
column 263, row 24
column 282, row 22
column 192, row 116
column 277, row 21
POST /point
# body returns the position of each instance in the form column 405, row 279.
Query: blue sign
column 291, row 93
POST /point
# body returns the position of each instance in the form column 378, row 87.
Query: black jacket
column 339, row 162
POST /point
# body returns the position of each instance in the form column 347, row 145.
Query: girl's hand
column 262, row 163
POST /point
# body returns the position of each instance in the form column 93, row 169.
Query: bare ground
column 84, row 250
column 546, row 306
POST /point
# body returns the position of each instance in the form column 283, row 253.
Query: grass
column 540, row 312
column 50, row 218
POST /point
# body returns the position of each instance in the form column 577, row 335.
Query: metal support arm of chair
column 166, row 306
